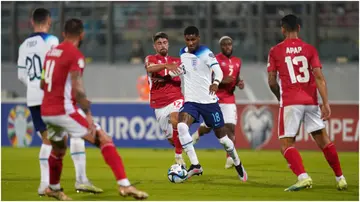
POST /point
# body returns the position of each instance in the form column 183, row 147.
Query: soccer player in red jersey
column 230, row 65
column 165, row 92
column 63, row 91
column 300, row 77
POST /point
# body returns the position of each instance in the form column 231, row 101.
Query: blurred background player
column 230, row 66
column 198, row 63
column 31, row 57
column 300, row 76
column 63, row 90
column 165, row 92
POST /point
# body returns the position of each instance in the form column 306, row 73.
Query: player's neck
column 41, row 29
column 72, row 41
column 292, row 35
column 228, row 56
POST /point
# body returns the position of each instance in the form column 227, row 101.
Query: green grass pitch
column 147, row 168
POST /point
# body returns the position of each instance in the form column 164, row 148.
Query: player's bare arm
column 274, row 86
column 321, row 85
column 77, row 85
column 152, row 68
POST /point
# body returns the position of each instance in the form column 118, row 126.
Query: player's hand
column 172, row 67
column 176, row 72
column 241, row 84
column 90, row 121
column 228, row 79
column 325, row 112
column 213, row 88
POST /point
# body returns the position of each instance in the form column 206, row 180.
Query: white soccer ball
column 177, row 174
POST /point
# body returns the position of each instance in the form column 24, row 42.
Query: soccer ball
column 177, row 174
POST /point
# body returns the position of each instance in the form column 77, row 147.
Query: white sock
column 77, row 150
column 186, row 142
column 303, row 176
column 339, row 178
column 44, row 154
column 230, row 149
column 178, row 156
column 124, row 182
column 55, row 186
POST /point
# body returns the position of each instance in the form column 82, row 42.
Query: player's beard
column 163, row 52
column 80, row 42
column 228, row 55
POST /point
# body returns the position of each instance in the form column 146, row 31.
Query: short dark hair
column 73, row 27
column 40, row 15
column 159, row 35
column 191, row 30
column 290, row 23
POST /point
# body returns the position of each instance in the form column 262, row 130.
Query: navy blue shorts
column 211, row 113
column 36, row 118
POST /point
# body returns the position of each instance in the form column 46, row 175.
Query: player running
column 300, row 76
column 31, row 57
column 165, row 92
column 63, row 90
column 230, row 66
column 198, row 62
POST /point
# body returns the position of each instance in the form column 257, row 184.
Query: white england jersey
column 197, row 76
column 30, row 62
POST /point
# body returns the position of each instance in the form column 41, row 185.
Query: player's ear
column 82, row 35
column 32, row 22
column 63, row 34
column 298, row 28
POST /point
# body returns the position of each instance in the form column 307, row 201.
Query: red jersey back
column 294, row 61
column 163, row 93
column 58, row 95
column 230, row 67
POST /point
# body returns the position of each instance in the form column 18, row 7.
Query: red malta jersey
column 58, row 93
column 230, row 67
column 294, row 61
column 163, row 93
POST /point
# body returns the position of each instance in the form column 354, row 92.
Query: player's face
column 192, row 42
column 161, row 46
column 82, row 35
column 226, row 47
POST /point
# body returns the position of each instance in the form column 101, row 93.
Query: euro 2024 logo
column 20, row 126
column 257, row 125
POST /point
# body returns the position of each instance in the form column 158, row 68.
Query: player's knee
column 182, row 128
column 101, row 138
column 174, row 119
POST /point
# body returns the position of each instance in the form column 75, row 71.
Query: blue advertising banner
column 129, row 124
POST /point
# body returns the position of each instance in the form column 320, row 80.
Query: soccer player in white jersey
column 198, row 63
column 30, row 61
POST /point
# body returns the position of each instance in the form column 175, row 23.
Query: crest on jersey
column 211, row 55
column 257, row 124
column 20, row 126
column 223, row 64
column 194, row 62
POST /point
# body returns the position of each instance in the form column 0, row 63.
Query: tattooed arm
column 79, row 91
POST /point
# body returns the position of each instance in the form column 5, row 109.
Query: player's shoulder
column 172, row 58
column 236, row 59
column 150, row 58
column 70, row 49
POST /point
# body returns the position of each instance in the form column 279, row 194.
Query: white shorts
column 229, row 112
column 74, row 124
column 290, row 118
column 163, row 116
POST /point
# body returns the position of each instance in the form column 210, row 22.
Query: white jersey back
column 197, row 77
column 30, row 62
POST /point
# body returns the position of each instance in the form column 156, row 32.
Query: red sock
column 178, row 147
column 294, row 160
column 332, row 158
column 113, row 159
column 55, row 166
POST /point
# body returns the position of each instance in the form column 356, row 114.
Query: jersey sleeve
column 271, row 65
column 52, row 41
column 209, row 58
column 78, row 64
column 21, row 67
column 149, row 60
column 314, row 60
